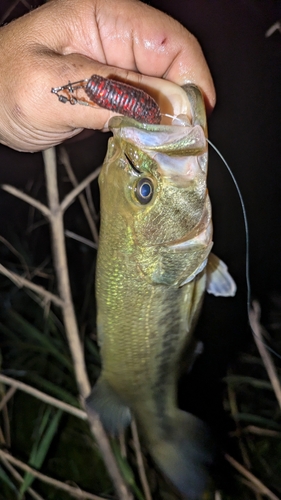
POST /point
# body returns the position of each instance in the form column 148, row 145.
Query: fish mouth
column 169, row 139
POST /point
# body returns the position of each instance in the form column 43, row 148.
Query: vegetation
column 48, row 442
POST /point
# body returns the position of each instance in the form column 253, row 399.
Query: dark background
column 245, row 126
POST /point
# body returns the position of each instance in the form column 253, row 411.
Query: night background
column 246, row 127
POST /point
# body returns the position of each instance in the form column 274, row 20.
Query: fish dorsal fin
column 219, row 281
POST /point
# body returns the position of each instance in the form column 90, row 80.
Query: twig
column 43, row 397
column 81, row 239
column 39, row 270
column 141, row 469
column 7, row 427
column 254, row 317
column 16, row 253
column 253, row 479
column 28, row 199
column 2, row 439
column 70, row 323
column 76, row 191
column 23, row 282
column 109, row 459
column 90, row 203
column 234, row 412
column 60, row 262
column 275, row 27
column 64, row 158
column 122, row 444
column 253, row 429
column 20, row 479
column 7, row 396
column 75, row 492
column 252, row 487
column 8, row 11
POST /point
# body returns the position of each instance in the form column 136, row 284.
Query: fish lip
column 160, row 138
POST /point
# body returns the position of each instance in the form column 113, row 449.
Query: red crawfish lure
column 113, row 95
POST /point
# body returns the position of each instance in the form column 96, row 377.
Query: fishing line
column 247, row 244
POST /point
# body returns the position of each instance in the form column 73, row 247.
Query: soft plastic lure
column 113, row 95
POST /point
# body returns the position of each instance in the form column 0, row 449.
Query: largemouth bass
column 154, row 265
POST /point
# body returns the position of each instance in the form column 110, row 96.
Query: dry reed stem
column 141, row 469
column 81, row 239
column 24, row 283
column 3, row 408
column 64, row 158
column 257, row 484
column 70, row 323
column 90, row 202
column 43, row 397
column 254, row 317
column 28, row 199
column 16, row 253
column 70, row 197
column 122, row 444
column 39, row 270
column 252, row 487
column 234, row 412
column 75, row 492
column 2, row 439
column 61, row 268
column 7, row 397
column 259, row 431
column 6, row 425
column 11, row 7
column 20, row 479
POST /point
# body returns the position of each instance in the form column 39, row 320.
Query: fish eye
column 144, row 190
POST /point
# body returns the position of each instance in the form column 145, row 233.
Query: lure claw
column 69, row 90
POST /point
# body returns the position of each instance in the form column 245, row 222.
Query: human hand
column 69, row 40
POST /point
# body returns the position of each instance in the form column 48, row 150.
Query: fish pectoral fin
column 113, row 412
column 219, row 281
column 191, row 277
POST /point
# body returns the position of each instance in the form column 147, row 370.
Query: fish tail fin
column 185, row 454
column 113, row 412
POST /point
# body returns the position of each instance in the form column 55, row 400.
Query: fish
column 154, row 265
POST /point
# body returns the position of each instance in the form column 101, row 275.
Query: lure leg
column 68, row 91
